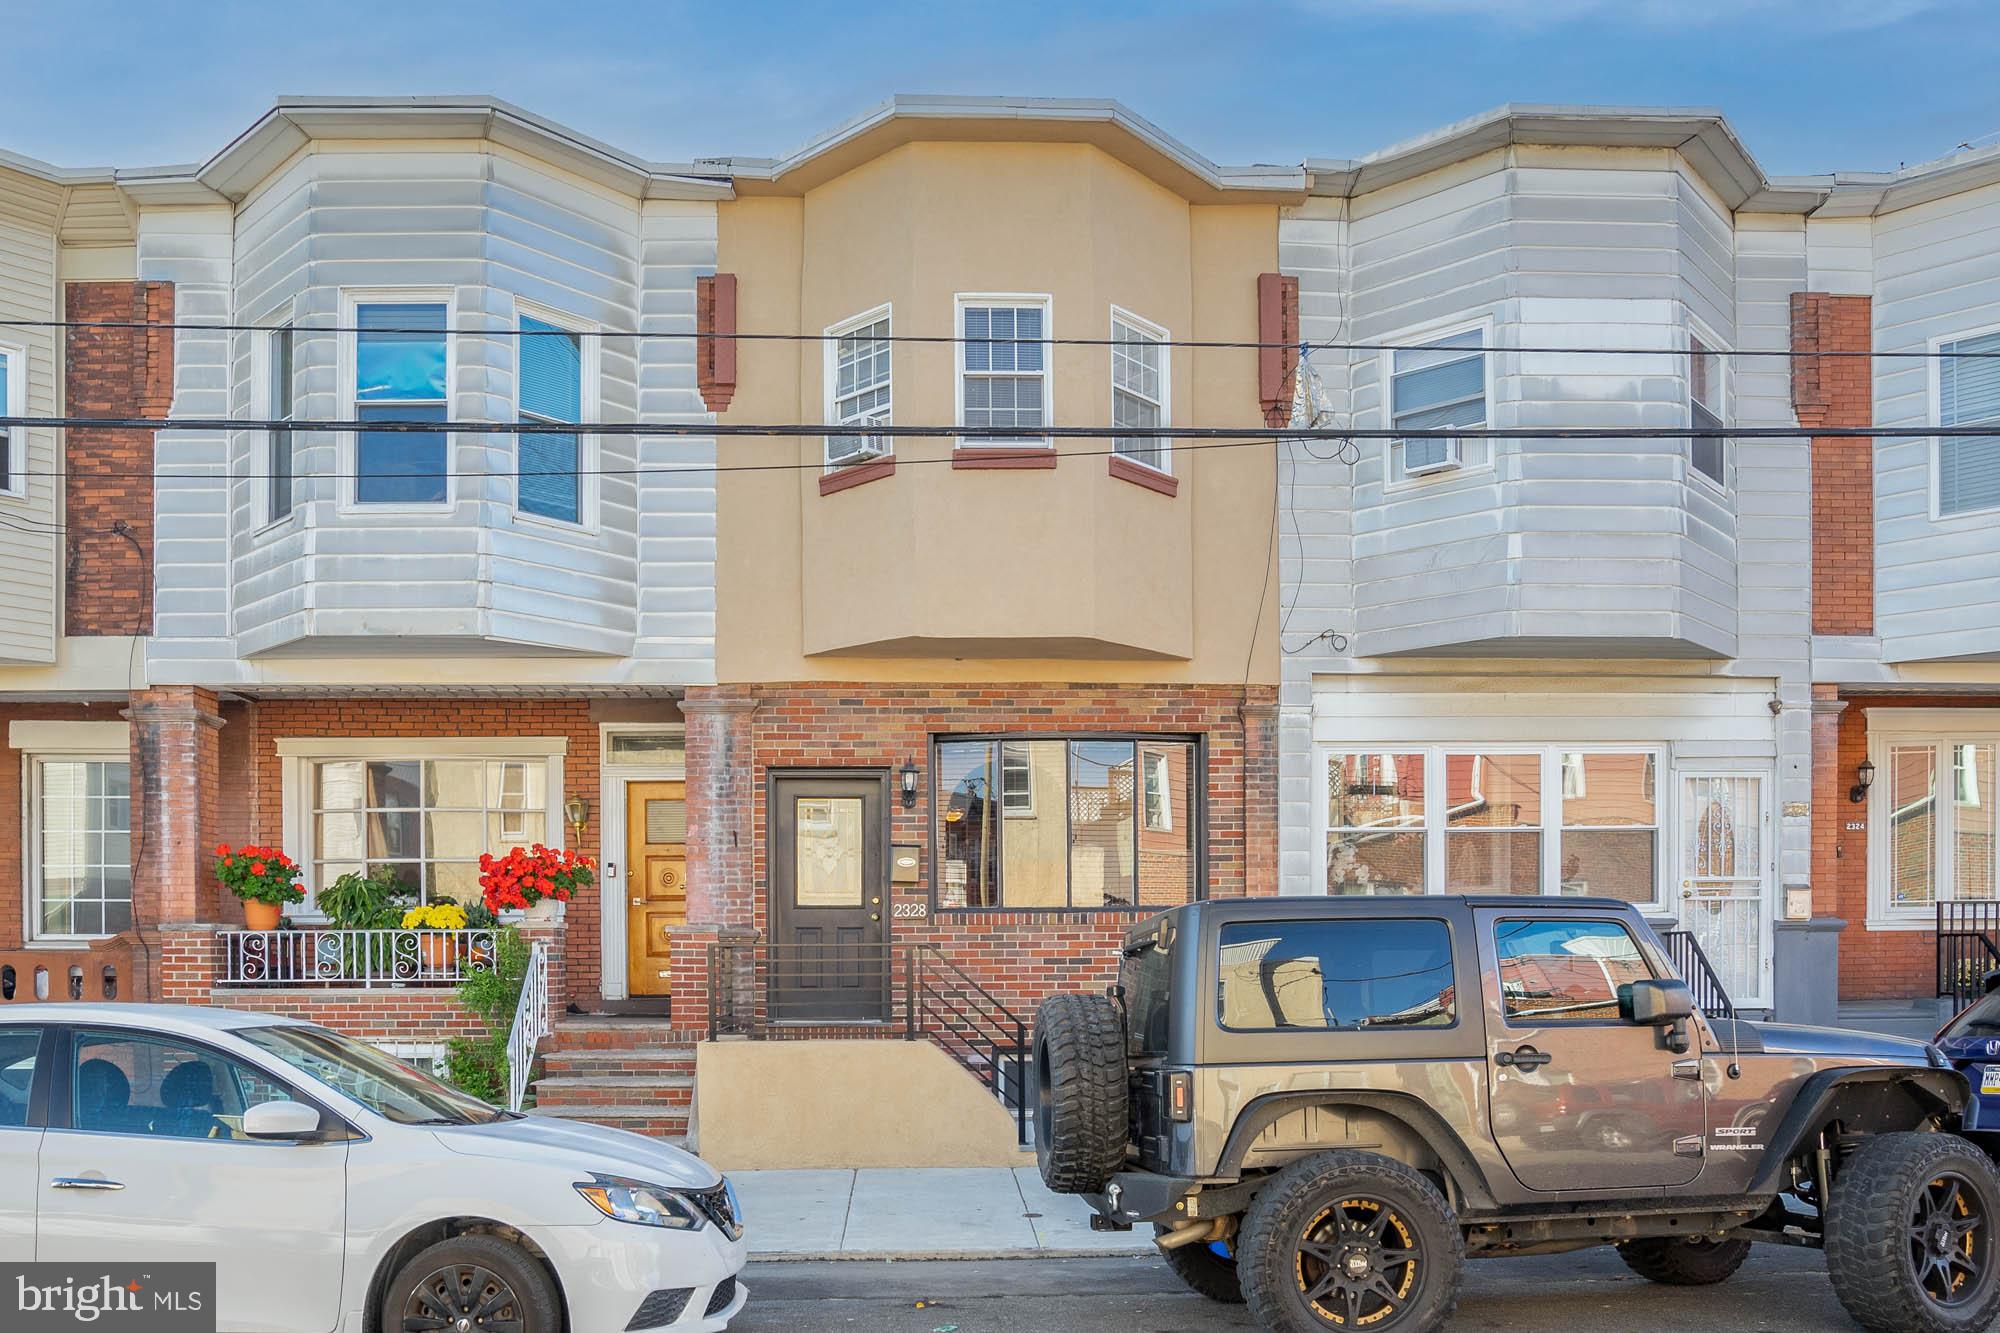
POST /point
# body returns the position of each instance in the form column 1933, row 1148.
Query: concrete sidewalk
column 920, row 1213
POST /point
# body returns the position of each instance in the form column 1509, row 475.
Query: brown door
column 829, row 886
column 656, row 880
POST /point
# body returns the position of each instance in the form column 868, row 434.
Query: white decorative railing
column 367, row 959
column 531, row 1024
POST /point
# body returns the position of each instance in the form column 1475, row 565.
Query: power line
column 950, row 339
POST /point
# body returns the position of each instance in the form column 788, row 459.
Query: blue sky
column 1811, row 85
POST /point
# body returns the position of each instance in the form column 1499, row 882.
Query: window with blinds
column 859, row 391
column 1968, row 466
column 1437, row 386
column 1139, row 390
column 551, row 391
column 1003, row 370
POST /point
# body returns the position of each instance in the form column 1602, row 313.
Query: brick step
column 633, row 1060
column 660, row 1091
column 616, row 1033
column 648, row 1120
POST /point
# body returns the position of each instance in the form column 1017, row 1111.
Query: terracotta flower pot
column 440, row 949
column 261, row 916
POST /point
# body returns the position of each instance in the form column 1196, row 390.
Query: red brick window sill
column 856, row 474
column 1003, row 459
column 1140, row 475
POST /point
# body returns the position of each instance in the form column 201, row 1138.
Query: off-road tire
column 536, row 1304
column 1081, row 1097
column 1267, row 1248
column 1205, row 1272
column 1684, row 1261
column 1869, row 1245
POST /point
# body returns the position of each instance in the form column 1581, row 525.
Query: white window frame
column 1696, row 331
column 1941, row 729
column 349, row 448
column 263, row 404
column 1159, row 334
column 829, row 394
column 1156, row 762
column 1417, row 338
column 81, row 742
column 297, row 755
column 1435, row 824
column 1018, row 300
column 14, row 486
column 1935, row 366
column 590, row 405
column 1024, row 808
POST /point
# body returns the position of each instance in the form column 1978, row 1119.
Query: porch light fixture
column 578, row 811
column 909, row 776
column 1864, row 778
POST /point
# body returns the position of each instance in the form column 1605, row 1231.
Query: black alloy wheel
column 1357, row 1263
column 463, row 1298
column 1951, row 1240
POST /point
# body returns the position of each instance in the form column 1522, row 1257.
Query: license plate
column 1989, row 1079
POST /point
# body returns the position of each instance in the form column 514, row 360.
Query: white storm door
column 1725, row 859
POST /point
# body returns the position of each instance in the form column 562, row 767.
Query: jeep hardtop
column 1323, row 1105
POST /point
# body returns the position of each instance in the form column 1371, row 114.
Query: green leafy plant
column 478, row 1064
column 365, row 902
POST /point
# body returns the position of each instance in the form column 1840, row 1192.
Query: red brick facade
column 113, row 372
column 1838, row 391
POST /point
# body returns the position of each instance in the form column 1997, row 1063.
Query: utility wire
column 954, row 339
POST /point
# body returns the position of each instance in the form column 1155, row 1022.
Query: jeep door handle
column 85, row 1183
column 1522, row 1057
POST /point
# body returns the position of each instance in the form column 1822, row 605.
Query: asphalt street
column 1778, row 1290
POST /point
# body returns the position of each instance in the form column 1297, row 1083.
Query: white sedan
column 336, row 1188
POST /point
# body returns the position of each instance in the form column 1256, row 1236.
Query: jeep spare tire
column 1080, row 1094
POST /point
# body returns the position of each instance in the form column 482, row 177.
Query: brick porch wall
column 1874, row 964
column 1020, row 956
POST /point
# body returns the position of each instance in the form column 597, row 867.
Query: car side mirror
column 295, row 1121
column 1655, row 1004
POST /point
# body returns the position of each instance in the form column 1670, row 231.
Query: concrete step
column 647, row 1120
column 660, row 1091
column 592, row 1062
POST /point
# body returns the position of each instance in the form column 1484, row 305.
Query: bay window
column 1139, row 388
column 1467, row 819
column 1936, row 832
column 400, row 362
column 550, row 392
column 1002, row 369
column 858, row 389
column 1438, row 385
column 1065, row 822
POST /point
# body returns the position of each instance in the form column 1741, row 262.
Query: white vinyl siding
column 1002, row 369
column 858, row 388
column 1139, row 389
column 1968, row 467
column 1437, row 386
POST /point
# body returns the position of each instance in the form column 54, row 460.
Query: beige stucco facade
column 936, row 571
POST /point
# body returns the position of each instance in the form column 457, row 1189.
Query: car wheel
column 1910, row 1235
column 472, row 1283
column 1684, row 1261
column 1347, row 1240
column 1080, row 1094
column 1207, row 1269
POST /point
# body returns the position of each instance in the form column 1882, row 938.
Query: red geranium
column 258, row 874
column 527, row 875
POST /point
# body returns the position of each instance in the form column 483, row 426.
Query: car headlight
column 641, row 1204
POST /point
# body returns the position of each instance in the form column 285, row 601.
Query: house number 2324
column 910, row 911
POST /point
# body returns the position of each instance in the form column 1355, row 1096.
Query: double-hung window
column 1065, row 822
column 551, row 393
column 858, row 369
column 281, row 405
column 1003, row 370
column 1707, row 454
column 13, row 458
column 1139, row 389
column 1937, row 833
column 1968, row 466
column 80, row 832
column 1467, row 819
column 1438, row 386
column 401, row 365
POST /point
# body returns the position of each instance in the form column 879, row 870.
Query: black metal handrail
column 1968, row 948
column 1685, row 952
column 778, row 991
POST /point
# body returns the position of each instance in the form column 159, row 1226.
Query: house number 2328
column 910, row 911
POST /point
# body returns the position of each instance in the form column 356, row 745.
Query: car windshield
column 1981, row 1020
column 380, row 1082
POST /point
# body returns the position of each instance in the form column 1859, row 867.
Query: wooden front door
column 656, row 880
column 829, row 888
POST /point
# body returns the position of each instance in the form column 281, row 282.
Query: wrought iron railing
column 911, row 991
column 364, row 959
column 1684, row 950
column 531, row 1024
column 1968, row 949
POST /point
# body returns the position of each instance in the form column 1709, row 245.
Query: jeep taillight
column 1180, row 1094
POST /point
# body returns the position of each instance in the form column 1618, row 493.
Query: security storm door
column 830, row 878
column 1725, row 855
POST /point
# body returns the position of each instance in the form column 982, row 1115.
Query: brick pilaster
column 1829, row 799
column 1260, row 791
column 1838, row 391
column 176, row 803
